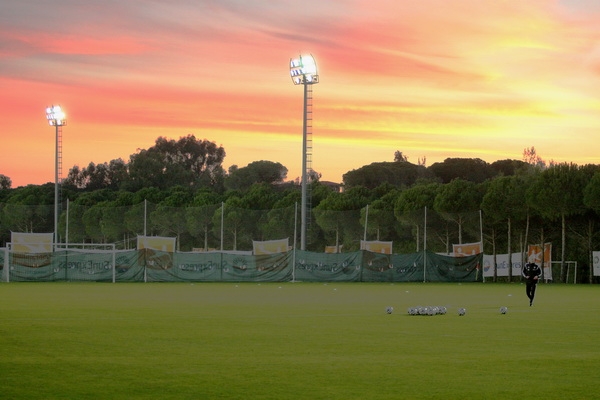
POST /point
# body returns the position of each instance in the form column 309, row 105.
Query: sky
column 432, row 78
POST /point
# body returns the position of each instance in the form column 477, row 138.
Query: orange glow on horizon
column 481, row 79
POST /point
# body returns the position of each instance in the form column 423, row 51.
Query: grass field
column 297, row 341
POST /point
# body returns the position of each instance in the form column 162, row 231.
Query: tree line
column 521, row 201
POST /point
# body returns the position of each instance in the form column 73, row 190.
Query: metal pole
column 481, row 239
column 222, row 220
column 295, row 241
column 114, row 264
column 366, row 223
column 425, row 245
column 304, row 178
column 56, row 187
column 67, row 227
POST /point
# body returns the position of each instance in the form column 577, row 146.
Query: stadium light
column 303, row 71
column 56, row 118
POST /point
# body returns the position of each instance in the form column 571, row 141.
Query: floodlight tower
column 56, row 118
column 303, row 71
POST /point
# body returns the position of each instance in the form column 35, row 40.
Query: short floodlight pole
column 56, row 118
column 303, row 71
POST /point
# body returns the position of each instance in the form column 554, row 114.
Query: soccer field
column 297, row 341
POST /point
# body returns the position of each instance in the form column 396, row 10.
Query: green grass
column 296, row 341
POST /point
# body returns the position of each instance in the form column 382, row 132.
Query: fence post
column 425, row 246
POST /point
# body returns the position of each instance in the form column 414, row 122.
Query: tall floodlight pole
column 303, row 71
column 56, row 118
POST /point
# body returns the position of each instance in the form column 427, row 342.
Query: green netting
column 38, row 267
column 261, row 268
column 453, row 269
column 392, row 268
column 322, row 267
column 85, row 266
column 156, row 266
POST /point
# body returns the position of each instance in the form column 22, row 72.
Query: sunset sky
column 431, row 78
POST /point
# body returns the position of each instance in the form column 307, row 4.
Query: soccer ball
column 503, row 310
column 389, row 309
column 461, row 312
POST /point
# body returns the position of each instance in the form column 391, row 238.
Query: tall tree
column 531, row 157
column 187, row 161
column 378, row 219
column 199, row 215
column 169, row 218
column 399, row 174
column 468, row 169
column 232, row 216
column 591, row 199
column 256, row 172
column 503, row 202
column 410, row 207
column 98, row 176
column 5, row 182
column 456, row 200
column 558, row 193
column 339, row 214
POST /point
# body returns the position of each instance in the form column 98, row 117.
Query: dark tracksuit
column 530, row 271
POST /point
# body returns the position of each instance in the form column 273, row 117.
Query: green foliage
column 5, row 182
column 398, row 173
column 457, row 196
column 509, row 167
column 504, row 199
column 256, row 172
column 534, row 199
column 558, row 191
column 469, row 169
column 591, row 197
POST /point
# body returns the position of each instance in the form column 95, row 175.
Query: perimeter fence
column 215, row 243
column 148, row 265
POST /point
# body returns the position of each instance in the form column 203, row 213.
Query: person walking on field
column 531, row 273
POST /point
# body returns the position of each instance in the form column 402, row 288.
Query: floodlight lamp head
column 55, row 116
column 303, row 70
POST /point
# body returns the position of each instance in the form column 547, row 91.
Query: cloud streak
column 472, row 79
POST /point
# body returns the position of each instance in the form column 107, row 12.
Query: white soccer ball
column 503, row 310
column 461, row 311
column 389, row 309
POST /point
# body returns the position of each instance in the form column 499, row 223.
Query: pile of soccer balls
column 435, row 310
column 432, row 310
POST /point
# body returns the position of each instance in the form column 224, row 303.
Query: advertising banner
column 501, row 265
column 31, row 242
column 534, row 254
column 467, row 249
column 376, row 246
column 270, row 246
column 596, row 256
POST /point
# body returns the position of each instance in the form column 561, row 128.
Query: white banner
column 31, row 242
column 501, row 265
column 596, row 257
column 270, row 246
column 376, row 246
column 160, row 243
